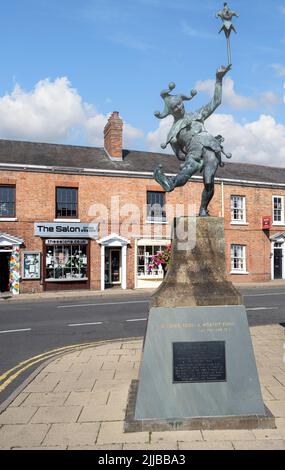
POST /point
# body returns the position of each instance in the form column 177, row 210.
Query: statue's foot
column 160, row 178
column 204, row 213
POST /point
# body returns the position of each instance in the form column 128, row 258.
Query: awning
column 9, row 240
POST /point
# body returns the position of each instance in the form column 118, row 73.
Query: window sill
column 150, row 278
column 158, row 221
column 239, row 223
column 278, row 224
column 8, row 219
column 239, row 273
column 67, row 220
column 84, row 279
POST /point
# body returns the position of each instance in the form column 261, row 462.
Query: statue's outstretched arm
column 207, row 110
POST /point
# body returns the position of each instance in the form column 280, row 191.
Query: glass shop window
column 66, row 203
column 66, row 263
column 7, row 201
column 144, row 259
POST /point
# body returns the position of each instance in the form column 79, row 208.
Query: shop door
column 278, row 271
column 4, row 271
column 113, row 267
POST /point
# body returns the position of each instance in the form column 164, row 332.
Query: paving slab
column 23, row 435
column 75, row 434
column 56, row 414
column 43, row 399
column 17, row 415
column 112, row 433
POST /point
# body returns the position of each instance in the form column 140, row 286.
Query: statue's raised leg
column 165, row 182
column 190, row 168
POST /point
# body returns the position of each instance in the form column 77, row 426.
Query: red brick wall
column 35, row 201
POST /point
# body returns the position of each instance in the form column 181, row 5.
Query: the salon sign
column 66, row 230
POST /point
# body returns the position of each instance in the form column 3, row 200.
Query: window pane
column 66, row 202
column 7, row 201
column 155, row 205
column 278, row 209
column 238, row 258
column 238, row 208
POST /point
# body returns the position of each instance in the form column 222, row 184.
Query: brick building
column 65, row 215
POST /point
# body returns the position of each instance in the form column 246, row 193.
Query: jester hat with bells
column 170, row 101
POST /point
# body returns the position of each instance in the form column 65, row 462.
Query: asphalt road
column 31, row 329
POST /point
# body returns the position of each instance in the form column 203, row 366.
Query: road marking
column 15, row 331
column 87, row 324
column 263, row 308
column 137, row 319
column 264, row 295
column 42, row 357
column 103, row 304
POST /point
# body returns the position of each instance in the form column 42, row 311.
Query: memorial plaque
column 198, row 362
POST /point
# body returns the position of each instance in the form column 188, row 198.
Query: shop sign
column 66, row 230
column 68, row 241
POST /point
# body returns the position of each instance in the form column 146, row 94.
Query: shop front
column 66, row 254
column 10, row 263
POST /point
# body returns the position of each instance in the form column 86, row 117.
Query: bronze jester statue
column 199, row 151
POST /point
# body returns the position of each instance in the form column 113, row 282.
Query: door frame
column 274, row 241
column 114, row 241
column 111, row 250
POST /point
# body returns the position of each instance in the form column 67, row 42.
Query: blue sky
column 119, row 55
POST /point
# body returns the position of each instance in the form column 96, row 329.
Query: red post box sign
column 266, row 222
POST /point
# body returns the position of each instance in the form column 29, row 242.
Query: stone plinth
column 197, row 272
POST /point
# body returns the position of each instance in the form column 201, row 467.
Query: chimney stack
column 113, row 137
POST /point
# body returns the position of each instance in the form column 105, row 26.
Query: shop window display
column 66, row 262
column 145, row 255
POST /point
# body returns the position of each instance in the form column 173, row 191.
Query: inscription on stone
column 196, row 362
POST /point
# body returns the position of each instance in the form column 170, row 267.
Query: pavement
column 78, row 401
column 7, row 297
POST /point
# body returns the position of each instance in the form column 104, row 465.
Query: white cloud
column 53, row 112
column 95, row 128
column 156, row 138
column 230, row 97
column 49, row 111
column 260, row 142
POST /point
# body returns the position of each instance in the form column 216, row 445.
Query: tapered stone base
column 197, row 272
column 198, row 368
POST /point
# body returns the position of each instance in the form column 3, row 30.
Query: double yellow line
column 10, row 375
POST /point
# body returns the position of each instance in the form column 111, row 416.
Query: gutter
column 125, row 173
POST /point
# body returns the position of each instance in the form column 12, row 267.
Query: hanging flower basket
column 161, row 259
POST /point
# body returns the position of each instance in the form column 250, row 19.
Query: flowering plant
column 162, row 258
